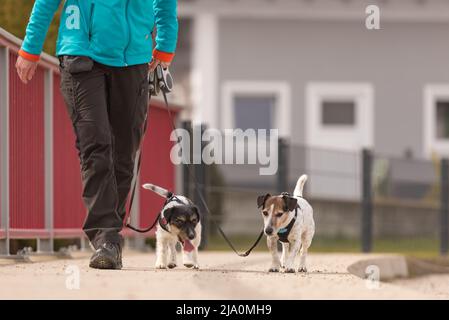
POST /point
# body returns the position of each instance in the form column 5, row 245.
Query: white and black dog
column 288, row 219
column 179, row 221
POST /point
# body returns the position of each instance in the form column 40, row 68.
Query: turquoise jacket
column 112, row 32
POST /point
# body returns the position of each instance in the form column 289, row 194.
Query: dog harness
column 187, row 245
column 162, row 221
column 284, row 232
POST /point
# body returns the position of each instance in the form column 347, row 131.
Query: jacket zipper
column 129, row 33
column 92, row 8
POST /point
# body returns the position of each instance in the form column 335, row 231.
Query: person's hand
column 153, row 64
column 25, row 69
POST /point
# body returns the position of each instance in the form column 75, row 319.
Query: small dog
column 288, row 219
column 179, row 221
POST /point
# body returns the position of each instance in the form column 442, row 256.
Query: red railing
column 26, row 152
column 40, row 190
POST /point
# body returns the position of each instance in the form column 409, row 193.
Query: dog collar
column 284, row 232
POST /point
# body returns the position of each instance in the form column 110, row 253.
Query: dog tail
column 300, row 186
column 159, row 190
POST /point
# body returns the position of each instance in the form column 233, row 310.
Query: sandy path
column 436, row 285
column 223, row 276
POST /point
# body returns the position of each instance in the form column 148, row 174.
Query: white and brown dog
column 288, row 219
column 179, row 221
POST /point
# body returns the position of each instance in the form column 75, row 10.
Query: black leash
column 146, row 229
column 133, row 192
column 170, row 197
column 162, row 80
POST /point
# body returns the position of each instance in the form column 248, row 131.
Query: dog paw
column 188, row 265
column 171, row 265
column 273, row 269
column 161, row 266
column 289, row 270
column 302, row 269
column 196, row 267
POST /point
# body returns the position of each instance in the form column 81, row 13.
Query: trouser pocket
column 141, row 105
column 76, row 64
column 72, row 70
column 68, row 90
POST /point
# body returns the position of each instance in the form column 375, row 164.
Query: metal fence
column 40, row 189
column 371, row 199
column 408, row 202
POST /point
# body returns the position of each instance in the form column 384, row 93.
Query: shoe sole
column 104, row 263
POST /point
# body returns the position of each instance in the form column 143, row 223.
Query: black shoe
column 107, row 256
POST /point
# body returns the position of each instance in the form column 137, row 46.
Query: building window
column 442, row 120
column 256, row 105
column 436, row 120
column 254, row 112
column 339, row 122
column 338, row 113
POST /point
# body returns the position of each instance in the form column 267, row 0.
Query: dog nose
column 269, row 230
column 191, row 236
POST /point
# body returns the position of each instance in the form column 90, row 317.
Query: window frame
column 363, row 96
column 279, row 89
column 433, row 93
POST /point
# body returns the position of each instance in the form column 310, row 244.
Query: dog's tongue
column 188, row 246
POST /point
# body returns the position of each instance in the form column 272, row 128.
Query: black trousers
column 107, row 106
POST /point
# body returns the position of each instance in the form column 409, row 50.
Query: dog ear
column 290, row 203
column 168, row 214
column 261, row 200
column 195, row 209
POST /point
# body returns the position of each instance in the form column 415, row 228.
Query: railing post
column 367, row 202
column 282, row 175
column 444, row 207
column 186, row 179
column 200, row 177
column 46, row 245
column 4, row 149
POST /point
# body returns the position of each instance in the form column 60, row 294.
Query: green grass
column 417, row 247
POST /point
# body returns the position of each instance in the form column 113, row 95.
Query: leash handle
column 160, row 79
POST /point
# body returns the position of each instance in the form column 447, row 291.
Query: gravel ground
column 222, row 276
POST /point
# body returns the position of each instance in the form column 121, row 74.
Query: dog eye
column 265, row 213
column 279, row 214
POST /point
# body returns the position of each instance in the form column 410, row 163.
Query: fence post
column 4, row 151
column 444, row 207
column 367, row 202
column 282, row 175
column 200, row 177
column 46, row 245
column 186, row 179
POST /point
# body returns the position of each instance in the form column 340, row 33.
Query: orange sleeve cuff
column 29, row 56
column 163, row 56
